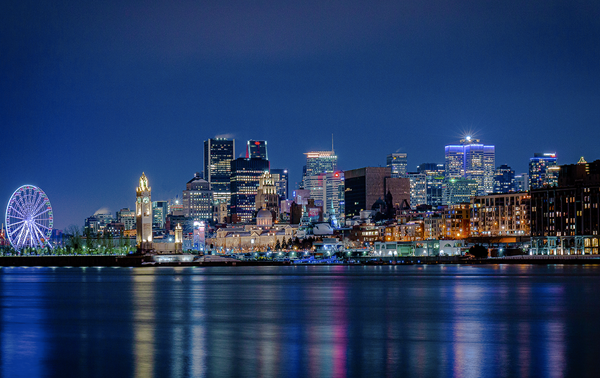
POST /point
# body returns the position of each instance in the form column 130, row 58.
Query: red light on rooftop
column 257, row 143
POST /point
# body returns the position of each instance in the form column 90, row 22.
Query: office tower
column 127, row 217
column 319, row 162
column 504, row 179
column 283, row 182
column 431, row 169
column 418, row 189
column 218, row 153
column 458, row 190
column 397, row 162
column 327, row 190
column 472, row 160
column 364, row 186
column 257, row 149
column 543, row 170
column 198, row 199
column 522, row 182
column 435, row 182
column 245, row 174
column 266, row 194
column 159, row 214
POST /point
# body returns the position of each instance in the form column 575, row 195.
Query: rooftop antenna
column 331, row 142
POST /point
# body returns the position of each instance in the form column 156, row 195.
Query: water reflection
column 300, row 321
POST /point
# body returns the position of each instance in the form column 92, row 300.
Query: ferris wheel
column 29, row 218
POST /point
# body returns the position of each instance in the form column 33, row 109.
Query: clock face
column 139, row 200
column 145, row 199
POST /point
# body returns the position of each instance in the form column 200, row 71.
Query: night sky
column 93, row 93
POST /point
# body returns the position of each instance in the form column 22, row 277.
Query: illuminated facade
column 327, row 190
column 283, row 182
column 266, row 194
column 504, row 179
column 257, row 149
column 397, row 161
column 458, row 190
column 457, row 222
column 198, row 199
column 418, row 188
column 543, row 170
column 245, row 175
column 472, row 160
column 218, row 154
column 143, row 214
column 500, row 215
column 565, row 220
column 318, row 162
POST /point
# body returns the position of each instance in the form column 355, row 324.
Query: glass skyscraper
column 397, row 161
column 245, row 175
column 218, row 154
column 318, row 162
column 257, row 149
column 474, row 161
column 543, row 170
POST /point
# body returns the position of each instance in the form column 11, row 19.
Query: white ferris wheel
column 29, row 218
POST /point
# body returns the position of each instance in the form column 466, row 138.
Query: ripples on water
column 315, row 321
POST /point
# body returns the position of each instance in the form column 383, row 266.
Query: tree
column 478, row 251
column 277, row 245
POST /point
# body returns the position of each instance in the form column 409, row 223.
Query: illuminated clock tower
column 143, row 214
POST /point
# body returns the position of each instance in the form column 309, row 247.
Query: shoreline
column 143, row 261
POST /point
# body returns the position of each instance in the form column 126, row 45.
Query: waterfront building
column 364, row 186
column 127, row 217
column 218, row 154
column 257, row 149
column 397, row 162
column 245, row 174
column 159, row 214
column 505, row 214
column 143, row 213
column 198, row 199
column 283, row 183
column 543, row 170
column 458, row 190
column 457, row 222
column 504, row 179
column 418, row 188
column 565, row 219
column 250, row 238
column 472, row 160
column 318, row 162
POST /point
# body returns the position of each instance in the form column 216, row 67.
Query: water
column 304, row 321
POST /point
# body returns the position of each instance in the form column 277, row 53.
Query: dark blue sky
column 95, row 92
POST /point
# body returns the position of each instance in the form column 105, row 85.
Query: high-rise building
column 127, row 217
column 504, row 179
column 459, row 190
column 245, row 174
column 435, row 182
column 318, row 162
column 522, row 182
column 472, row 160
column 327, row 190
column 364, row 186
column 198, row 199
column 431, row 169
column 257, row 149
column 266, row 194
column 160, row 210
column 418, row 188
column 218, row 153
column 283, row 182
column 397, row 161
column 543, row 170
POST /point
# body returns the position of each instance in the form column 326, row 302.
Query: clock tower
column 143, row 215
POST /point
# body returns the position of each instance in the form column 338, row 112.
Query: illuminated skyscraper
column 543, row 170
column 418, row 188
column 504, row 179
column 245, row 174
column 257, row 149
column 283, row 182
column 218, row 153
column 198, row 199
column 472, row 160
column 318, row 162
column 397, row 162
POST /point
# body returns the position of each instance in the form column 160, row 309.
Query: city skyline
column 88, row 103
